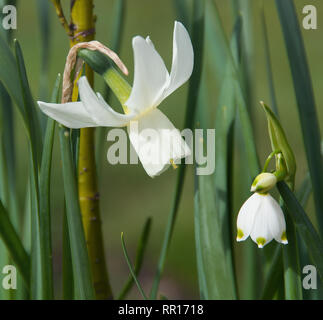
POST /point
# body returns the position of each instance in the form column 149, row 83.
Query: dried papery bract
column 72, row 62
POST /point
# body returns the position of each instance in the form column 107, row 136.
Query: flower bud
column 280, row 142
column 263, row 182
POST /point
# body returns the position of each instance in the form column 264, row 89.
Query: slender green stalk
column 80, row 260
column 268, row 63
column 139, row 259
column 269, row 158
column 45, row 32
column 132, row 271
column 67, row 267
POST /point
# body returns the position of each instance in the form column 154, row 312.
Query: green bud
column 279, row 142
column 263, row 182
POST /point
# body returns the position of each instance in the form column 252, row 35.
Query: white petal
column 150, row 76
column 100, row 111
column 157, row 142
column 276, row 220
column 72, row 114
column 183, row 59
column 246, row 216
column 265, row 221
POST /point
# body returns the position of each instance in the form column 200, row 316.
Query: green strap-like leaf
column 80, row 260
column 212, row 281
column 44, row 194
column 197, row 37
column 14, row 245
column 223, row 58
column 44, row 24
column 132, row 271
column 35, row 143
column 214, row 276
column 268, row 63
column 30, row 111
column 305, row 99
column 67, row 267
column 304, row 226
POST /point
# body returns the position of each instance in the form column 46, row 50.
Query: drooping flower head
column 261, row 217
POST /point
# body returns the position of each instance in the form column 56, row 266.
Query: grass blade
column 219, row 47
column 268, row 64
column 44, row 187
column 212, row 201
column 80, row 260
column 303, row 226
column 44, row 24
column 34, row 138
column 247, row 11
column 14, row 245
column 291, row 261
column 139, row 259
column 30, row 111
column 9, row 75
column 198, row 43
column 67, row 267
column 305, row 99
column 131, row 268
column 212, row 262
column 276, row 275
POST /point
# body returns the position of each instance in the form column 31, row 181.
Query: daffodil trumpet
column 152, row 84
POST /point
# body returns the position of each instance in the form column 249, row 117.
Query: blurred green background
column 128, row 195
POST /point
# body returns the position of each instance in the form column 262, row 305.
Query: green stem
column 131, row 268
column 269, row 159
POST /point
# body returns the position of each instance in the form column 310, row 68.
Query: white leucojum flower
column 152, row 84
column 262, row 218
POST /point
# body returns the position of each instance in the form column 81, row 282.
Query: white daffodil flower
column 262, row 218
column 152, row 84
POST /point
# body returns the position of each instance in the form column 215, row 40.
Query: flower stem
column 82, row 22
column 269, row 159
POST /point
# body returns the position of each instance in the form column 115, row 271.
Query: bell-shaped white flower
column 262, row 219
column 152, row 84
